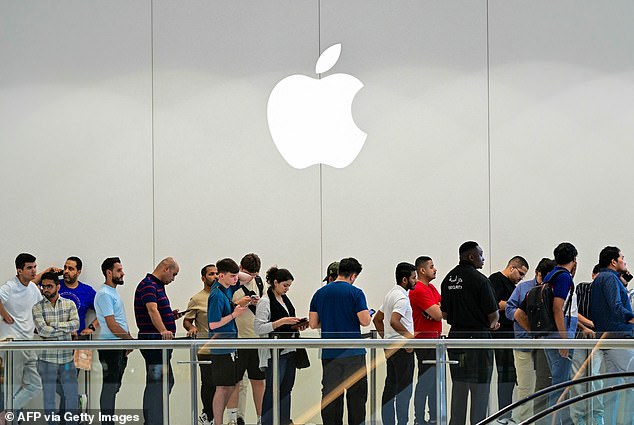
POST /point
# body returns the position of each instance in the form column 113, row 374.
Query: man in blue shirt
column 114, row 325
column 528, row 372
column 339, row 309
column 78, row 292
column 613, row 318
column 221, row 314
column 564, row 312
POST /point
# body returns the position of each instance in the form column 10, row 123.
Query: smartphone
column 372, row 311
column 302, row 320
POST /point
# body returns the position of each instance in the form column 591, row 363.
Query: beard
column 117, row 281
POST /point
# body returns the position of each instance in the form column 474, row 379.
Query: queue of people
column 235, row 302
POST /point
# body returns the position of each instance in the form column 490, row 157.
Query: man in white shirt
column 398, row 324
column 17, row 298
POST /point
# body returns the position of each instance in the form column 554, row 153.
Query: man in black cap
column 332, row 272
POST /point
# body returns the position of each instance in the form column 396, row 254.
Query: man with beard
column 195, row 322
column 78, row 292
column 397, row 324
column 114, row 325
column 504, row 283
column 55, row 320
column 468, row 304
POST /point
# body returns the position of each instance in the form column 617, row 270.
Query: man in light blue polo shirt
column 114, row 325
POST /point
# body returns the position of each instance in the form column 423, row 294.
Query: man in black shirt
column 504, row 283
column 468, row 304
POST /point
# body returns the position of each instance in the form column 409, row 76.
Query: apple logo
column 310, row 119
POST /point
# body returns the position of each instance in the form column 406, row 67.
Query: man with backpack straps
column 564, row 301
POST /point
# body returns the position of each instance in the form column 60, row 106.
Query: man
column 339, row 309
column 613, row 317
column 565, row 315
column 114, row 325
column 532, row 371
column 332, row 272
column 586, row 362
column 425, row 301
column 504, row 283
column 221, row 316
column 468, row 304
column 55, row 320
column 196, row 324
column 398, row 324
column 78, row 292
column 84, row 298
column 247, row 360
column 17, row 298
column 155, row 320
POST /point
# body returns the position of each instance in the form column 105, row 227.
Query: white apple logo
column 310, row 119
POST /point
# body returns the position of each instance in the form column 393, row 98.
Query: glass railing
column 608, row 397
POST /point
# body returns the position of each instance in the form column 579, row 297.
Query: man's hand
column 244, row 301
column 167, row 334
column 177, row 314
column 192, row 331
column 240, row 310
column 7, row 317
column 87, row 331
column 563, row 352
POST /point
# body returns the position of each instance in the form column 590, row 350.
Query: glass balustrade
column 590, row 400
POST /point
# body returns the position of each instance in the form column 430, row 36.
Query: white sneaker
column 203, row 420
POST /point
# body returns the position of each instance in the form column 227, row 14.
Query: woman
column 275, row 316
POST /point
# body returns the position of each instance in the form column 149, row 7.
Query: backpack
column 260, row 285
column 539, row 308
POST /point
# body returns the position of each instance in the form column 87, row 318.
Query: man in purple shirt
column 155, row 320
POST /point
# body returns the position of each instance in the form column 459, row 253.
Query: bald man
column 156, row 320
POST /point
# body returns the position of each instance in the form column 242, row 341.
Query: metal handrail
column 553, row 388
column 318, row 343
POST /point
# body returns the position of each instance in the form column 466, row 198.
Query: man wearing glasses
column 504, row 283
column 56, row 319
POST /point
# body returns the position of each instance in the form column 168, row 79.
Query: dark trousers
column 398, row 387
column 543, row 379
column 425, row 386
column 153, row 393
column 207, row 387
column 507, row 377
column 286, row 375
column 479, row 401
column 113, row 364
column 347, row 374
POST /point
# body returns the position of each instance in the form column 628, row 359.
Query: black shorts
column 223, row 370
column 249, row 361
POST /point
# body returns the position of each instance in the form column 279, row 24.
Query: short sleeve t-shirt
column 467, row 298
column 396, row 301
column 19, row 300
column 561, row 285
column 84, row 298
column 337, row 305
column 197, row 307
column 108, row 303
column 421, row 298
column 152, row 290
column 219, row 306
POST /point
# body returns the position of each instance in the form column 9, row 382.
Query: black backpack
column 539, row 308
column 260, row 285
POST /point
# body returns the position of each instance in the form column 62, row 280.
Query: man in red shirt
column 425, row 301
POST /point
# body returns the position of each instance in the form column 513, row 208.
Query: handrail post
column 193, row 377
column 8, row 381
column 373, row 334
column 275, row 364
column 165, row 395
column 441, row 379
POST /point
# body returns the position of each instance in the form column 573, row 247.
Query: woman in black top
column 275, row 317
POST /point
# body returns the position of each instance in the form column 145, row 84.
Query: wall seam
column 488, row 73
column 152, row 132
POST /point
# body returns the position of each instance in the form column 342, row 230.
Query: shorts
column 223, row 370
column 249, row 361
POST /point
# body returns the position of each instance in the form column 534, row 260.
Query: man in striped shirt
column 56, row 319
column 155, row 320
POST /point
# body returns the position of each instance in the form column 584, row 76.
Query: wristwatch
column 91, row 327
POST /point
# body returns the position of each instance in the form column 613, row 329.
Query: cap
column 333, row 269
